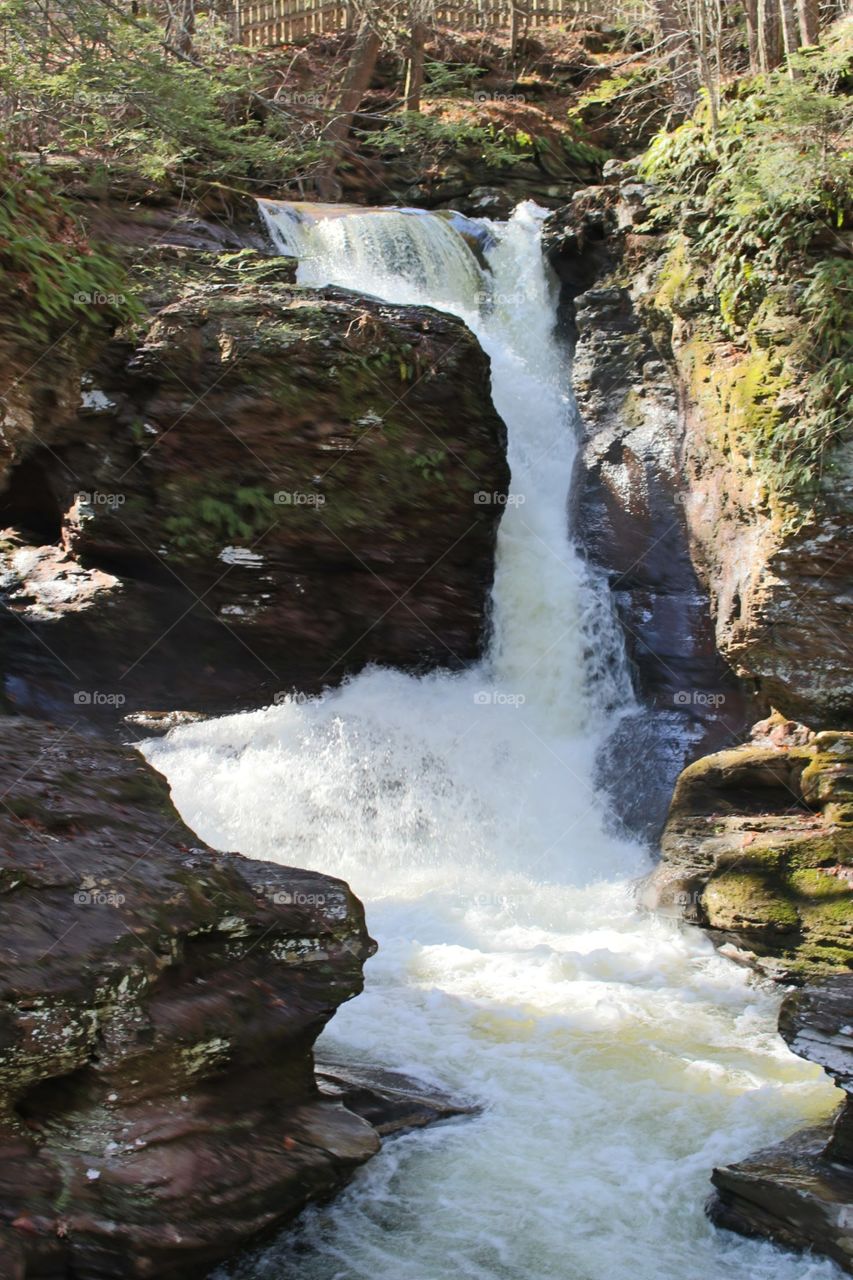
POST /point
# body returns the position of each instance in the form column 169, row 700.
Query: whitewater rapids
column 616, row 1056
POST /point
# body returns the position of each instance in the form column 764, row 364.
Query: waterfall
column 616, row 1056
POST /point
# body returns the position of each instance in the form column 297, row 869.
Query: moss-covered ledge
column 758, row 849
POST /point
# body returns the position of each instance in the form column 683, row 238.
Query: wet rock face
column 274, row 487
column 781, row 599
column 800, row 1191
column 159, row 1005
column 758, row 848
column 661, row 403
column 630, row 506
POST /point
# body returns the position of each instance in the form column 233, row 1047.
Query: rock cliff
column 160, row 1001
column 733, row 601
column 266, row 486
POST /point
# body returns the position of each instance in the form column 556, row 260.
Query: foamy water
column 616, row 1056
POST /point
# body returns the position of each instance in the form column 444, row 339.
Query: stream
column 617, row 1057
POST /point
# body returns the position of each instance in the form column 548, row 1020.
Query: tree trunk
column 415, row 70
column 790, row 34
column 356, row 83
column 769, row 35
column 750, row 9
column 678, row 46
column 180, row 26
column 518, row 25
column 809, row 15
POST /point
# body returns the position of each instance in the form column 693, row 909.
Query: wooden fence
column 275, row 22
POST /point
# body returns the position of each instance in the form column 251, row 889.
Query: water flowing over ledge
column 617, row 1056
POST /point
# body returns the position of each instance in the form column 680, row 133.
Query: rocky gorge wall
column 729, row 611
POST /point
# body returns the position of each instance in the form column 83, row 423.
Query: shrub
column 764, row 205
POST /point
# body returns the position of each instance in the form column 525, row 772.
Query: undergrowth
column 763, row 208
column 50, row 273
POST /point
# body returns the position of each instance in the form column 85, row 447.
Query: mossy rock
column 751, row 900
column 758, row 828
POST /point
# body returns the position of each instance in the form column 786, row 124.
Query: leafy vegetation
column 431, row 136
column 50, row 273
column 450, row 79
column 109, row 88
column 763, row 207
column 239, row 517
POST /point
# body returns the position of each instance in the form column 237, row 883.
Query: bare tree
column 180, row 25
column 420, row 14
column 769, row 35
column 790, row 34
column 518, row 23
column 674, row 28
column 750, row 9
column 357, row 79
column 808, row 12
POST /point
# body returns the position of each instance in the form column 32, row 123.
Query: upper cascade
column 401, row 255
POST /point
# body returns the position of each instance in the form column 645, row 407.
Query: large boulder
column 758, row 848
column 273, row 486
column 160, row 1000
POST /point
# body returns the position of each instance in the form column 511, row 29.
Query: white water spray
column 616, row 1055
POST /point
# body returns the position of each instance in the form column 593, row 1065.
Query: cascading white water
column 617, row 1057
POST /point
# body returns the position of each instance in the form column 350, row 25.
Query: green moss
column 751, row 898
column 208, row 520
column 815, row 884
column 759, row 205
column 678, row 281
column 143, row 788
column 741, row 395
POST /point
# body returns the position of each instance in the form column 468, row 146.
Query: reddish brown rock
column 283, row 484
column 160, row 1001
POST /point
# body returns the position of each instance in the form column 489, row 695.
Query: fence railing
column 275, row 22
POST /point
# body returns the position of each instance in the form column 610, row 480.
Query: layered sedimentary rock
column 159, row 1005
column 758, row 848
column 630, row 500
column 668, row 410
column 272, row 486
